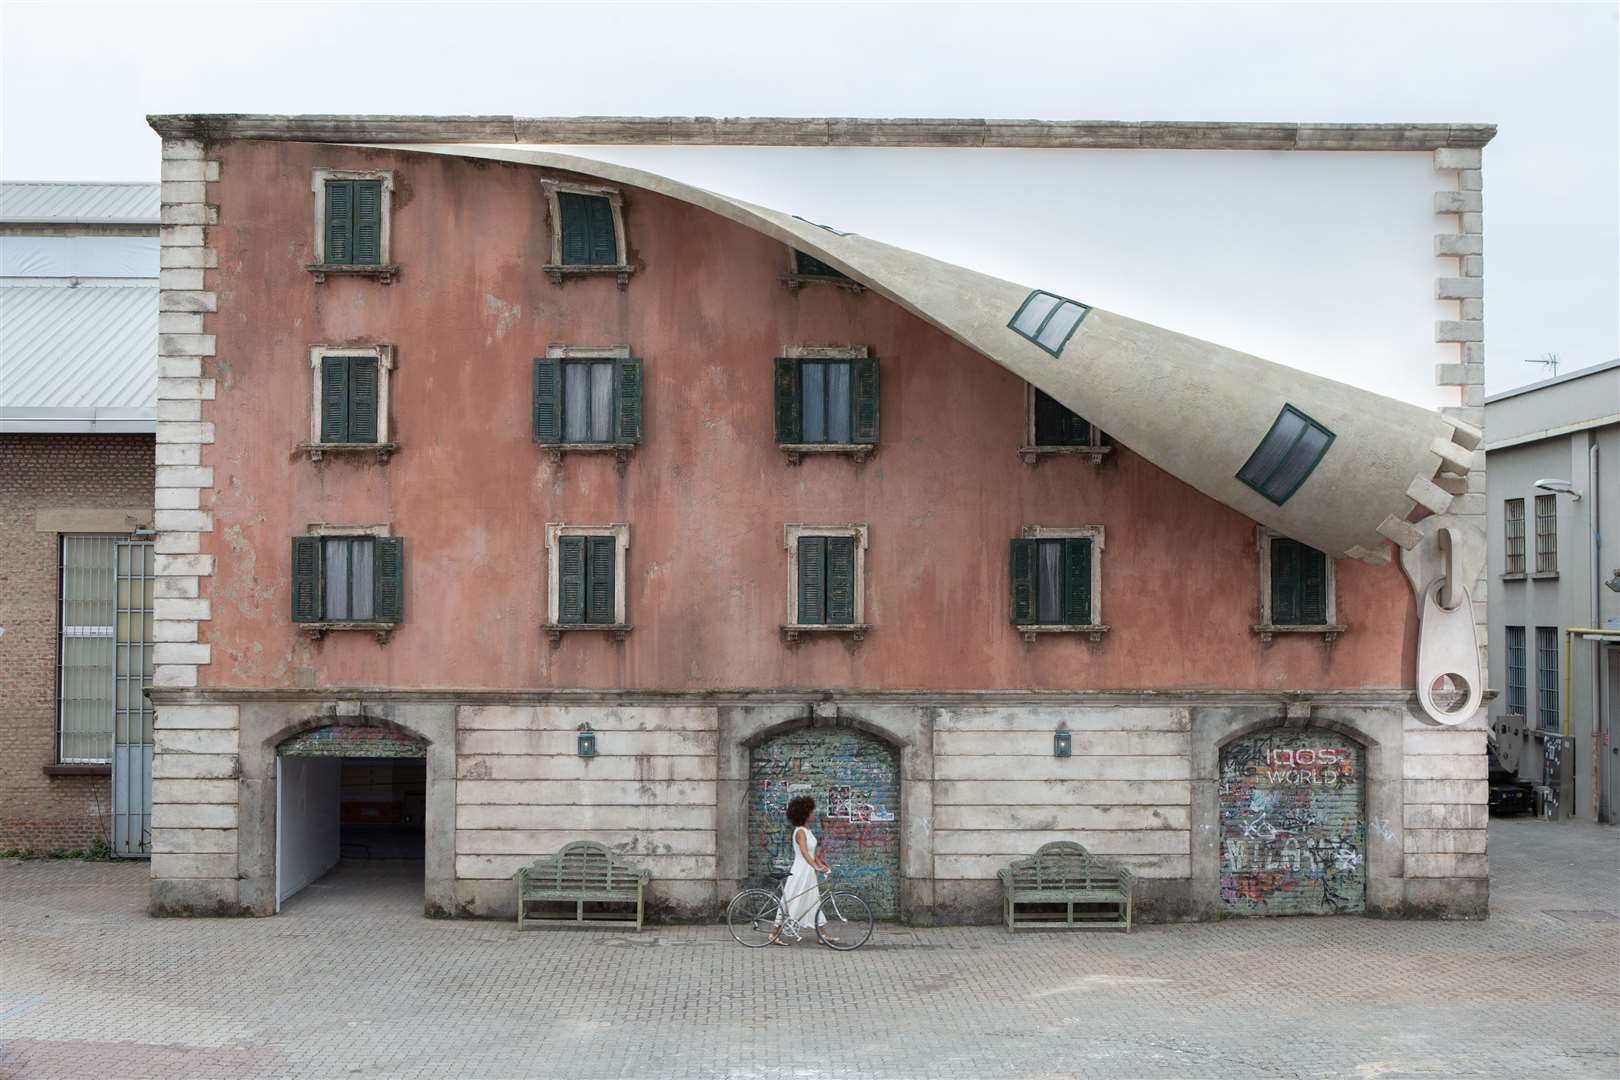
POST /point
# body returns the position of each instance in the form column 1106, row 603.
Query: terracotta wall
column 706, row 495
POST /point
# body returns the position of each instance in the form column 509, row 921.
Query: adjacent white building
column 1554, row 459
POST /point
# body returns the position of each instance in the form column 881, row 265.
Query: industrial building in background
column 511, row 498
column 79, row 280
column 1554, row 454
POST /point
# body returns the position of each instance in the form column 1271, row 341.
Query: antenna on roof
column 1550, row 362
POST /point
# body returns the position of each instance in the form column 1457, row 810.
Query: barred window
column 1547, row 678
column 1546, row 534
column 1513, row 536
column 1515, row 671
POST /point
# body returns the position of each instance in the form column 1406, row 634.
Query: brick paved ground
column 351, row 981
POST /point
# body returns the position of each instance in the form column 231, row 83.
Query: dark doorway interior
column 381, row 806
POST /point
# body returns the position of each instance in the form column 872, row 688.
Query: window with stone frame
column 587, row 398
column 1297, row 588
column 826, row 579
column 1513, row 537
column 1056, row 580
column 348, row 578
column 353, row 223
column 585, row 587
column 350, row 398
column 587, row 231
column 826, row 399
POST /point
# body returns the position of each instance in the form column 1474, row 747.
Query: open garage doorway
column 351, row 810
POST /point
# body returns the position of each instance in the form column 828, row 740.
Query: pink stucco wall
column 706, row 495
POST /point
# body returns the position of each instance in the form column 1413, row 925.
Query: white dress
column 800, row 891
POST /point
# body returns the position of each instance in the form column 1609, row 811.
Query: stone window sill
column 381, row 451
column 620, row 451
column 555, row 631
column 1330, row 631
column 1514, row 577
column 795, row 282
column 856, row 631
column 856, row 452
column 1544, row 575
column 318, row 630
column 385, row 274
column 1094, row 631
column 1032, row 454
column 560, row 272
column 79, row 768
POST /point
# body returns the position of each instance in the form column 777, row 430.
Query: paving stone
column 351, row 981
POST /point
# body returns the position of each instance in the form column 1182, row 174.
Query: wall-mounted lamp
column 1559, row 487
column 587, row 741
column 1062, row 742
column 1613, row 584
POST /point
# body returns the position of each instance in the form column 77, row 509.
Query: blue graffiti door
column 1293, row 831
column 855, row 780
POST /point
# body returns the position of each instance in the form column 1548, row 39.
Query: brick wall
column 50, row 473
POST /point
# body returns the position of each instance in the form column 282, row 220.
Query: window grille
column 1546, row 534
column 1516, row 698
column 1513, row 536
column 1547, row 678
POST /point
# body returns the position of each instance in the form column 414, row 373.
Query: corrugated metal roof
column 78, row 358
column 106, row 204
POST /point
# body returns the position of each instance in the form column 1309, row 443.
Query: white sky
column 1196, row 245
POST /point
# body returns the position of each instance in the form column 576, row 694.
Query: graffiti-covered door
column 1293, row 828
column 855, row 780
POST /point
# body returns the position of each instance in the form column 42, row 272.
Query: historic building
column 78, row 373
column 508, row 498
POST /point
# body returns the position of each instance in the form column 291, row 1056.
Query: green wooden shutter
column 1023, row 563
column 388, row 579
column 604, row 244
column 864, row 401
column 627, row 379
column 1312, row 587
column 1077, row 581
column 368, row 197
column 547, row 401
column 334, row 399
column 599, row 591
column 1285, row 582
column 339, row 221
column 789, row 402
column 362, row 399
column 812, row 580
column 571, row 579
column 841, row 580
column 306, row 579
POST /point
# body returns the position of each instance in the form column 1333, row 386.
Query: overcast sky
column 77, row 81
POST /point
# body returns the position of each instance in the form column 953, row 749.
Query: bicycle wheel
column 753, row 916
column 845, row 921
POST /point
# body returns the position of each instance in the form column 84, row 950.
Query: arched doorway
column 354, row 794
column 1293, row 824
column 855, row 779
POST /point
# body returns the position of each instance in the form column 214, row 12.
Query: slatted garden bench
column 1063, row 872
column 583, row 872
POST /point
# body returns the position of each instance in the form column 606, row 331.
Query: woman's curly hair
column 799, row 809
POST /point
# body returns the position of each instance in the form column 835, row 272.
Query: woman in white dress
column 800, row 892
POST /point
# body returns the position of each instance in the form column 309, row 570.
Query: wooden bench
column 583, row 872
column 1063, row 872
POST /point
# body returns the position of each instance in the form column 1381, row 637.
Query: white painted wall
column 307, row 829
column 1321, row 261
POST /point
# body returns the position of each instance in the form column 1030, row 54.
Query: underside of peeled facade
column 633, row 511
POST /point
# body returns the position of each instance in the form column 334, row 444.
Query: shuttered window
column 1286, row 456
column 1056, row 425
column 1048, row 320
column 354, row 211
column 348, row 579
column 588, row 238
column 1516, row 682
column 587, row 401
column 1513, row 536
column 349, row 397
column 826, row 580
column 1299, row 584
column 833, row 402
column 586, row 569
column 1051, row 582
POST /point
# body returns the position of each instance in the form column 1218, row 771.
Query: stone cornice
column 1143, row 698
column 821, row 131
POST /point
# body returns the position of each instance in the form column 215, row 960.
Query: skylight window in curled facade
column 1286, row 456
column 1048, row 320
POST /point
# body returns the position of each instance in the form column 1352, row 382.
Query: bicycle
column 757, row 917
